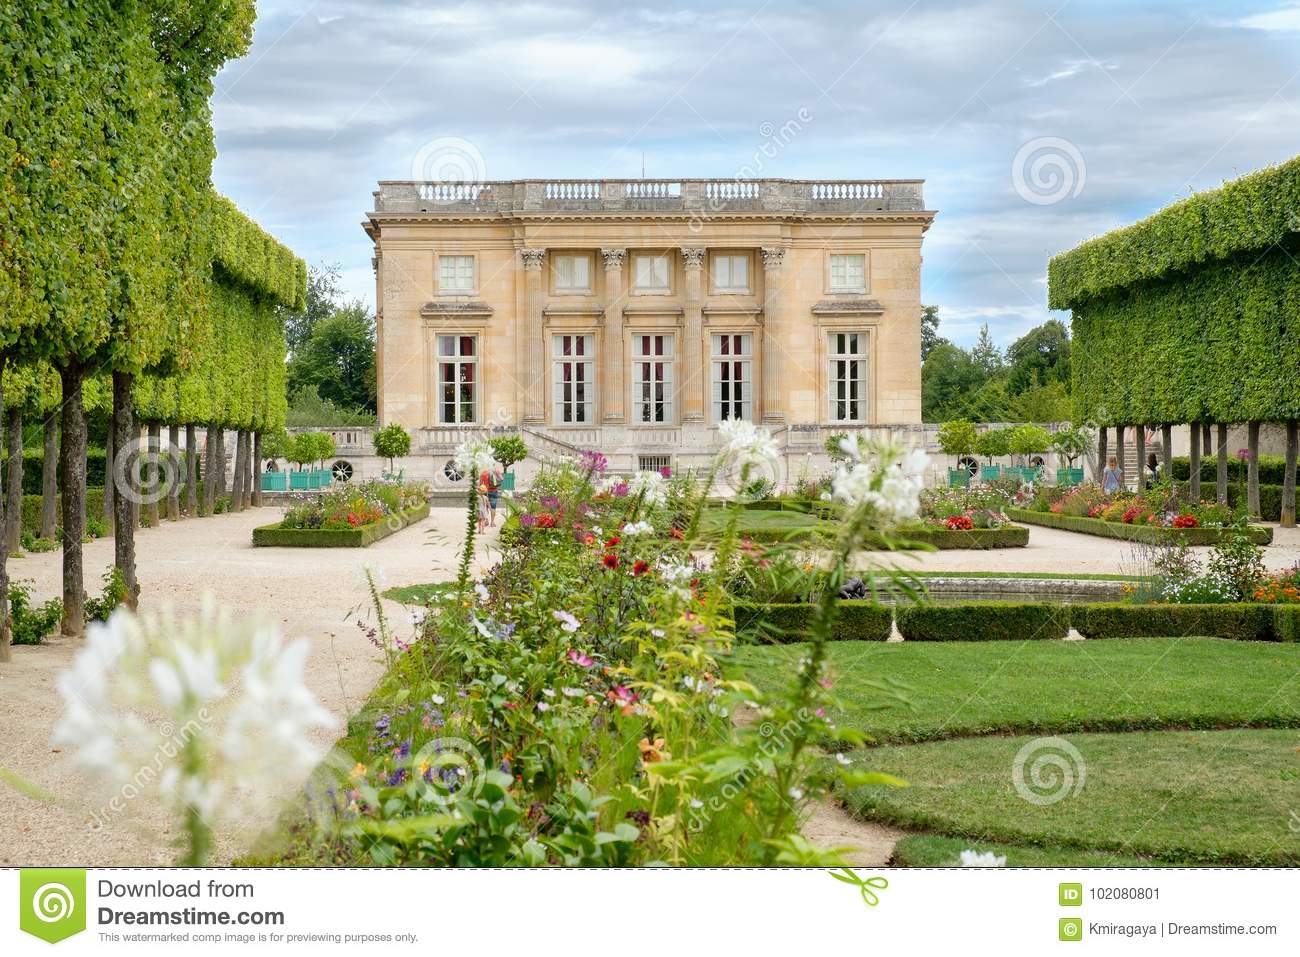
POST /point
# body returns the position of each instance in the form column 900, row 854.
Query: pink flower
column 580, row 659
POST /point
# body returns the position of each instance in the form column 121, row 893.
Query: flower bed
column 1133, row 532
column 277, row 536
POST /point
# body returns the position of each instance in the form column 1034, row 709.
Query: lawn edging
column 1150, row 534
column 273, row 536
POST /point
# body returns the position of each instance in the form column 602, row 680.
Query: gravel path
column 312, row 593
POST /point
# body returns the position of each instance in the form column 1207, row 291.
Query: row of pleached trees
column 122, row 273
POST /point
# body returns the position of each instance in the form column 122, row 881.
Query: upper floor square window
column 651, row 272
column 455, row 274
column 572, row 272
column 731, row 272
column 848, row 272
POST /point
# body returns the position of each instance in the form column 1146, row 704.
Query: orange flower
column 652, row 751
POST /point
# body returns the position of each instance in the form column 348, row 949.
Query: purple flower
column 550, row 501
column 1243, row 454
column 593, row 462
column 666, row 472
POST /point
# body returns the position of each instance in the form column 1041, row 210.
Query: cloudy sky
column 1036, row 125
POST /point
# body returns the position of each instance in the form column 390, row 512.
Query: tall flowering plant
column 208, row 711
column 473, row 458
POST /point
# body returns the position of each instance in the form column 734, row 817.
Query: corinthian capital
column 773, row 256
column 532, row 257
column 693, row 256
column 613, row 258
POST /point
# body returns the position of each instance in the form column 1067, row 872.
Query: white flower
column 474, row 457
column 437, row 699
column 675, row 573
column 637, row 528
column 572, row 692
column 843, row 758
column 651, row 487
column 568, row 622
column 548, row 692
column 481, row 628
column 796, row 794
column 746, row 446
column 481, row 590
column 418, row 615
column 971, row 858
column 543, row 706
column 886, row 477
column 235, row 720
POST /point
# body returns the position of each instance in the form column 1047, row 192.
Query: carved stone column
column 773, row 334
column 535, row 335
column 612, row 355
column 691, row 389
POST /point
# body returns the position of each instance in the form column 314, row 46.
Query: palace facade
column 632, row 316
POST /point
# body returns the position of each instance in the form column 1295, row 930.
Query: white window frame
column 573, row 379
column 844, row 349
column 653, row 394
column 730, row 286
column 459, row 362
column 663, row 290
column 557, row 283
column 456, row 286
column 845, row 284
column 722, row 376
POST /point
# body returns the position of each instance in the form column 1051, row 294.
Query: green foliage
column 1286, row 623
column 993, row 443
column 984, row 621
column 1247, row 216
column 784, row 622
column 114, row 593
column 930, row 331
column 1153, row 534
column 508, row 449
column 392, row 442
column 322, row 296
column 1241, row 622
column 1072, row 442
column 31, row 623
column 337, row 359
column 275, row 443
column 1028, row 439
column 308, row 409
column 957, row 437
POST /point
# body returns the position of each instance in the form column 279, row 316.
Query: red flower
column 960, row 523
column 640, row 567
column 1132, row 515
column 610, row 561
column 613, row 540
column 676, row 533
column 1187, row 521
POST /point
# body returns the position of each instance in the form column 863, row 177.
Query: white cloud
column 1285, row 19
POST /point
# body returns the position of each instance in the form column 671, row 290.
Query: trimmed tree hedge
column 1151, row 534
column 274, row 536
column 984, row 621
column 1240, row 622
column 788, row 622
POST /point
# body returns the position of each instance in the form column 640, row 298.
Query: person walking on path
column 1112, row 480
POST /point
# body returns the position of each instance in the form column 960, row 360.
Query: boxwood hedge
column 984, row 621
column 1242, row 622
column 788, row 622
column 1259, row 534
column 276, row 537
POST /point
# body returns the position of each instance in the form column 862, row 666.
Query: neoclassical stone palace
column 632, row 316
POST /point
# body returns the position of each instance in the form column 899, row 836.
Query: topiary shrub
column 392, row 442
column 786, row 622
column 984, row 621
column 1286, row 623
column 1239, row 622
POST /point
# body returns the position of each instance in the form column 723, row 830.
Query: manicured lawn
column 417, row 594
column 933, row 850
column 1185, row 796
column 765, row 524
column 1042, row 687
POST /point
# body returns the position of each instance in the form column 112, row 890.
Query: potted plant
column 323, row 447
column 991, row 444
column 300, row 450
column 957, row 439
column 1027, row 440
column 508, row 449
column 392, row 442
column 274, row 445
column 1070, row 443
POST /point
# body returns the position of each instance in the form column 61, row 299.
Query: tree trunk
column 1221, row 475
column 50, row 477
column 6, row 629
column 209, row 471
column 256, row 499
column 128, row 495
column 1167, row 453
column 239, row 472
column 1207, row 439
column 1288, row 480
column 1194, row 462
column 174, row 474
column 1119, row 457
column 250, row 468
column 72, row 476
column 1140, row 434
column 13, row 523
column 221, row 463
column 1252, row 469
column 191, row 471
column 153, row 475
column 110, row 456
column 1103, row 453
